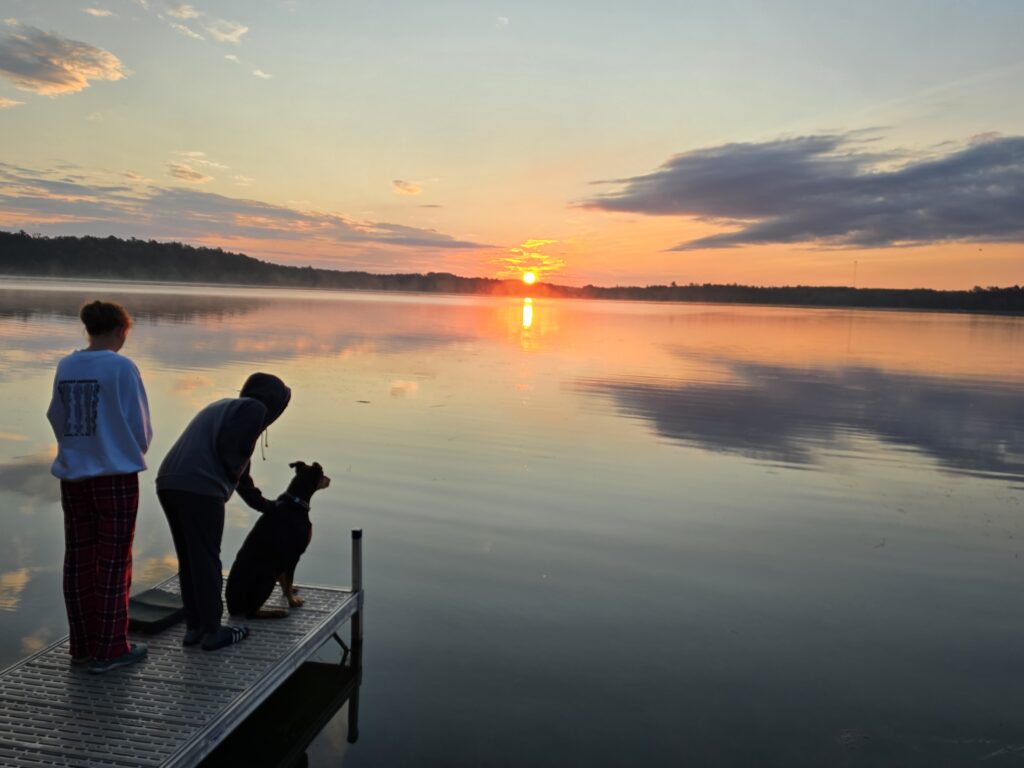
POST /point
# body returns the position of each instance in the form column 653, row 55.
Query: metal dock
column 176, row 706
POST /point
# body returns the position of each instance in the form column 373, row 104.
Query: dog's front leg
column 288, row 589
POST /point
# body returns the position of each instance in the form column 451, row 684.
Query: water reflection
column 793, row 415
column 279, row 733
column 149, row 303
column 199, row 332
column 530, row 472
column 29, row 476
column 12, row 584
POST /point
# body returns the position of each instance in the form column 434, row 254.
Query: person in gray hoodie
column 204, row 467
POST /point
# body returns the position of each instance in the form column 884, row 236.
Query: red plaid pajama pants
column 99, row 525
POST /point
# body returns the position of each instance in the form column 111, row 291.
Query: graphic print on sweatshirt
column 81, row 399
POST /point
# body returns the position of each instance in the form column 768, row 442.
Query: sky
column 591, row 142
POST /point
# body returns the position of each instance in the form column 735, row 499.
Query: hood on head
column 270, row 391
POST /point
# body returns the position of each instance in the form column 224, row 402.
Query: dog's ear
column 297, row 464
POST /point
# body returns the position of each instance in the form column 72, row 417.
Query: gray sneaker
column 136, row 653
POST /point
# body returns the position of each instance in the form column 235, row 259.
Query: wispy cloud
column 182, row 11
column 528, row 257
column 231, row 57
column 502, row 21
column 6, row 103
column 186, row 31
column 532, row 245
column 224, row 31
column 48, row 64
column 220, row 30
column 99, row 13
column 831, row 190
column 48, row 201
column 261, row 74
column 187, row 173
column 200, row 158
column 406, row 187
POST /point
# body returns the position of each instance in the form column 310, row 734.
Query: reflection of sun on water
column 528, row 336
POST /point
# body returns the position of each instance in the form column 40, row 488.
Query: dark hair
column 102, row 317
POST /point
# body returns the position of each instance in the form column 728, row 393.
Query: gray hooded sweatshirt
column 211, row 458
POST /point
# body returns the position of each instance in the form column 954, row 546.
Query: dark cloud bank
column 48, row 64
column 833, row 191
column 69, row 203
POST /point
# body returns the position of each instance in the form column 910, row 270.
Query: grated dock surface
column 171, row 709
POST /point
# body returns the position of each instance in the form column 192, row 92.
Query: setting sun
column 529, row 278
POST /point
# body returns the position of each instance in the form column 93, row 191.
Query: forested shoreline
column 111, row 258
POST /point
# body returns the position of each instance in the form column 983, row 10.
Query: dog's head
column 309, row 478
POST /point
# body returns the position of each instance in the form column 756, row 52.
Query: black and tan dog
column 273, row 547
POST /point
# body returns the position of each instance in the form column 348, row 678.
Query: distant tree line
column 992, row 299
column 111, row 258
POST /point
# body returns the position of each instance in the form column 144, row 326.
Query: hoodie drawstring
column 265, row 443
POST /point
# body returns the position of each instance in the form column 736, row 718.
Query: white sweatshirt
column 100, row 416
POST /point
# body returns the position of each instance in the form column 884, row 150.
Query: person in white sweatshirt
column 100, row 416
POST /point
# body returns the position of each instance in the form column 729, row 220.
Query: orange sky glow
column 656, row 151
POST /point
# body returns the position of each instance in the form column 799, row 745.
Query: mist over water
column 596, row 533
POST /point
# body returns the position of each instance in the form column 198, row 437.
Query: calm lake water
column 602, row 534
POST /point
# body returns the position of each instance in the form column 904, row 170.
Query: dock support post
column 357, row 585
column 357, row 634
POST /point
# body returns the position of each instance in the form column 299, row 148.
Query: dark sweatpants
column 197, row 526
